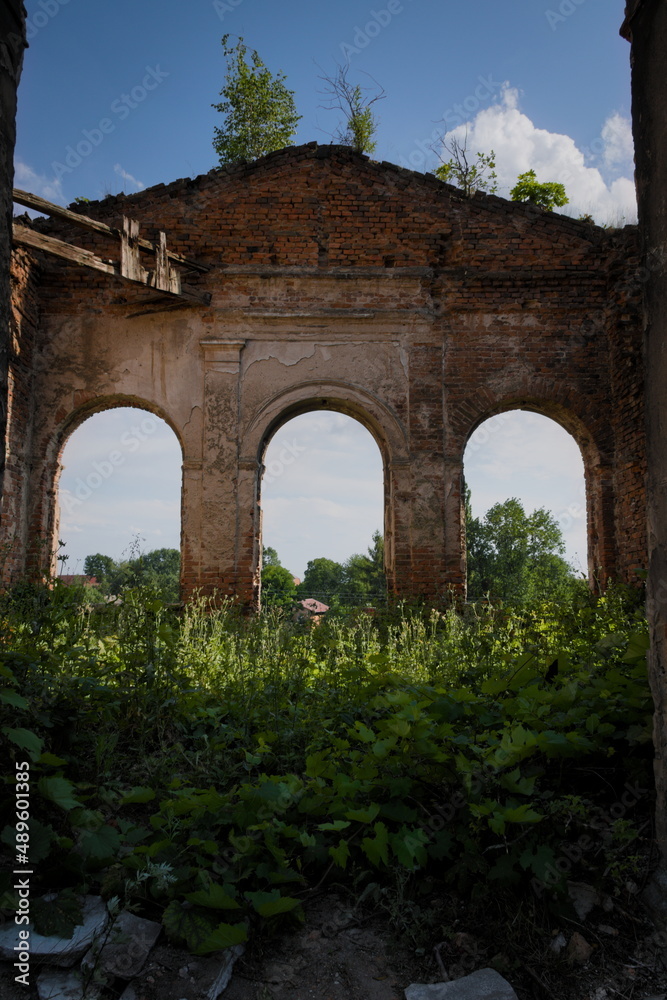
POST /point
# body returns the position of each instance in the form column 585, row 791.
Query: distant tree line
column 359, row 580
column 159, row 570
column 511, row 556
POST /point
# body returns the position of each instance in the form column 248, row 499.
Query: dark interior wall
column 646, row 28
column 12, row 45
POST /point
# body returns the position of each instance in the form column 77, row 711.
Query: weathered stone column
column 455, row 555
column 12, row 45
column 601, row 528
column 191, row 529
column 646, row 28
column 217, row 527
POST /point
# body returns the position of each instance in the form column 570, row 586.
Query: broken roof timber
column 85, row 222
column 163, row 277
column 23, row 236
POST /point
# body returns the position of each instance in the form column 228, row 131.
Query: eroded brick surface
column 344, row 283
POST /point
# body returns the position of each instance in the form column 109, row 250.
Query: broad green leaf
column 514, row 782
column 376, row 848
column 25, row 739
column 224, row 936
column 58, row 790
column 540, row 861
column 100, row 845
column 318, row 764
column 504, row 870
column 382, row 747
column 338, row 824
column 363, row 815
column 183, row 923
column 13, row 698
column 213, row 898
column 494, row 686
column 638, row 646
column 409, row 847
column 401, row 727
column 340, row 854
column 138, row 794
column 363, row 733
column 51, row 760
column 268, row 904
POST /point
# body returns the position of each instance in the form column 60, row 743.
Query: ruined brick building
column 341, row 283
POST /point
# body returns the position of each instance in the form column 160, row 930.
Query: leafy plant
column 547, row 195
column 208, row 770
column 469, row 174
column 260, row 113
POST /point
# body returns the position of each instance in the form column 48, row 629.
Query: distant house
column 309, row 610
column 78, row 580
column 314, row 607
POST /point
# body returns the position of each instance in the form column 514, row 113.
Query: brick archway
column 322, row 274
column 384, row 426
column 45, row 476
column 593, row 440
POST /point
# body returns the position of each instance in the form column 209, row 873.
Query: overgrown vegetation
column 159, row 570
column 547, row 195
column 211, row 771
column 259, row 110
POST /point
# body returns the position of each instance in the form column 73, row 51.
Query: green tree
column 322, row 580
column 514, row 556
column 278, row 587
column 547, row 195
column 158, row 569
column 364, row 579
column 356, row 103
column 270, row 557
column 478, row 174
column 101, row 567
column 260, row 113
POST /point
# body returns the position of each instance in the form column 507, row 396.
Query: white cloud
column 139, row 185
column 520, row 145
column 619, row 148
column 46, row 187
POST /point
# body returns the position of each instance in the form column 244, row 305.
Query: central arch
column 352, row 400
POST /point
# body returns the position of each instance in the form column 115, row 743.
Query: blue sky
column 544, row 84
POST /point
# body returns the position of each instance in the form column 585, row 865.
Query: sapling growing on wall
column 469, row 173
column 547, row 195
column 260, row 112
column 356, row 103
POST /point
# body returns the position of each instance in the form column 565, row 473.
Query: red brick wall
column 494, row 305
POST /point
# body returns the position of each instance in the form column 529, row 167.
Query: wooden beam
column 85, row 222
column 57, row 248
column 130, row 262
column 84, row 258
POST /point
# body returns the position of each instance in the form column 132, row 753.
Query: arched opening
column 526, row 516
column 119, row 502
column 323, row 513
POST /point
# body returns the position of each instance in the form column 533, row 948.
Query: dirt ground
column 340, row 953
